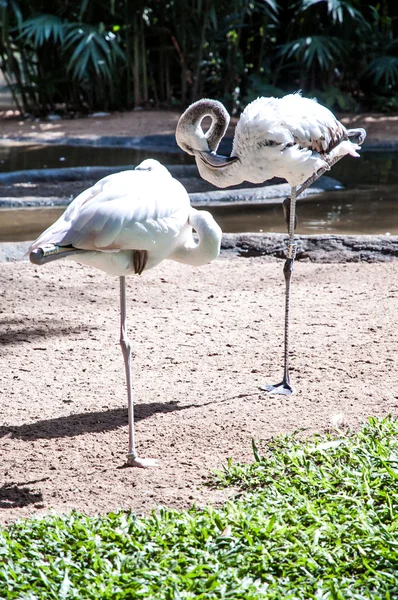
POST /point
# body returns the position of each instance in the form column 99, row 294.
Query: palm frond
column 336, row 9
column 93, row 50
column 321, row 50
column 384, row 71
column 267, row 6
column 43, row 28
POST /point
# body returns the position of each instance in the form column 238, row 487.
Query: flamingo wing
column 312, row 125
column 281, row 122
column 135, row 210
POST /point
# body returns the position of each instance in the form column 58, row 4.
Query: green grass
column 315, row 519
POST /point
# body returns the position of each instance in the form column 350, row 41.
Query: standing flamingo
column 126, row 223
column 291, row 137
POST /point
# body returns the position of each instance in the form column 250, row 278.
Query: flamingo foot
column 143, row 463
column 283, row 388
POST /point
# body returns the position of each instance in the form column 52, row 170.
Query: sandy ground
column 205, row 340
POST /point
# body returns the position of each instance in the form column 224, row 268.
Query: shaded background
column 73, row 56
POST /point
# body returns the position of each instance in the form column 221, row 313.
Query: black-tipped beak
column 37, row 256
column 216, row 161
column 41, row 256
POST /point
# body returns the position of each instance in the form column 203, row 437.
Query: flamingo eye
column 187, row 149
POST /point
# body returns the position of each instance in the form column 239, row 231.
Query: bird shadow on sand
column 23, row 334
column 93, row 422
column 17, row 495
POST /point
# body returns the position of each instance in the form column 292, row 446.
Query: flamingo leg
column 287, row 201
column 132, row 458
column 289, row 209
column 284, row 386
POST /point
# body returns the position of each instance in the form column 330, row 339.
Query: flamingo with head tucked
column 291, row 137
column 125, row 224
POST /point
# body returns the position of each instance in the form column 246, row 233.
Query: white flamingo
column 126, row 223
column 291, row 137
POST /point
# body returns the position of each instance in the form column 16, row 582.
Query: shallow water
column 18, row 158
column 367, row 210
column 373, row 166
column 368, row 205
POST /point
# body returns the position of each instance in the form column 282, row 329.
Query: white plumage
column 286, row 138
column 275, row 137
column 127, row 223
column 145, row 209
column 291, row 137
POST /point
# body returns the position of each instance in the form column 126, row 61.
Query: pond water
column 18, row 157
column 360, row 211
column 367, row 205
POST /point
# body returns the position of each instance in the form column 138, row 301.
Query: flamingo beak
column 216, row 161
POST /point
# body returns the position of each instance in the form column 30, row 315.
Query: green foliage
column 334, row 97
column 115, row 55
column 384, row 71
column 314, row 51
column 258, row 87
column 95, row 51
column 337, row 10
column 41, row 29
column 315, row 519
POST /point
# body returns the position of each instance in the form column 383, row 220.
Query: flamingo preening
column 291, row 137
column 125, row 224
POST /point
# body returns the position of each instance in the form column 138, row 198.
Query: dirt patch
column 205, row 340
column 134, row 123
column 379, row 127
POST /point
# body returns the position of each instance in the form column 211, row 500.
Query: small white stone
column 99, row 114
column 338, row 421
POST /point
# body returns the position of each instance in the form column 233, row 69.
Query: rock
column 13, row 251
column 315, row 248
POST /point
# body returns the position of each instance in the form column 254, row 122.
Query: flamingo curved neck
column 191, row 138
column 208, row 246
column 189, row 133
column 230, row 174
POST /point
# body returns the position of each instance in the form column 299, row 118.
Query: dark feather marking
column 265, row 143
column 140, row 259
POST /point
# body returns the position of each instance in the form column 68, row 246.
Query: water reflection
column 366, row 210
column 18, row 158
column 372, row 168
column 368, row 205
